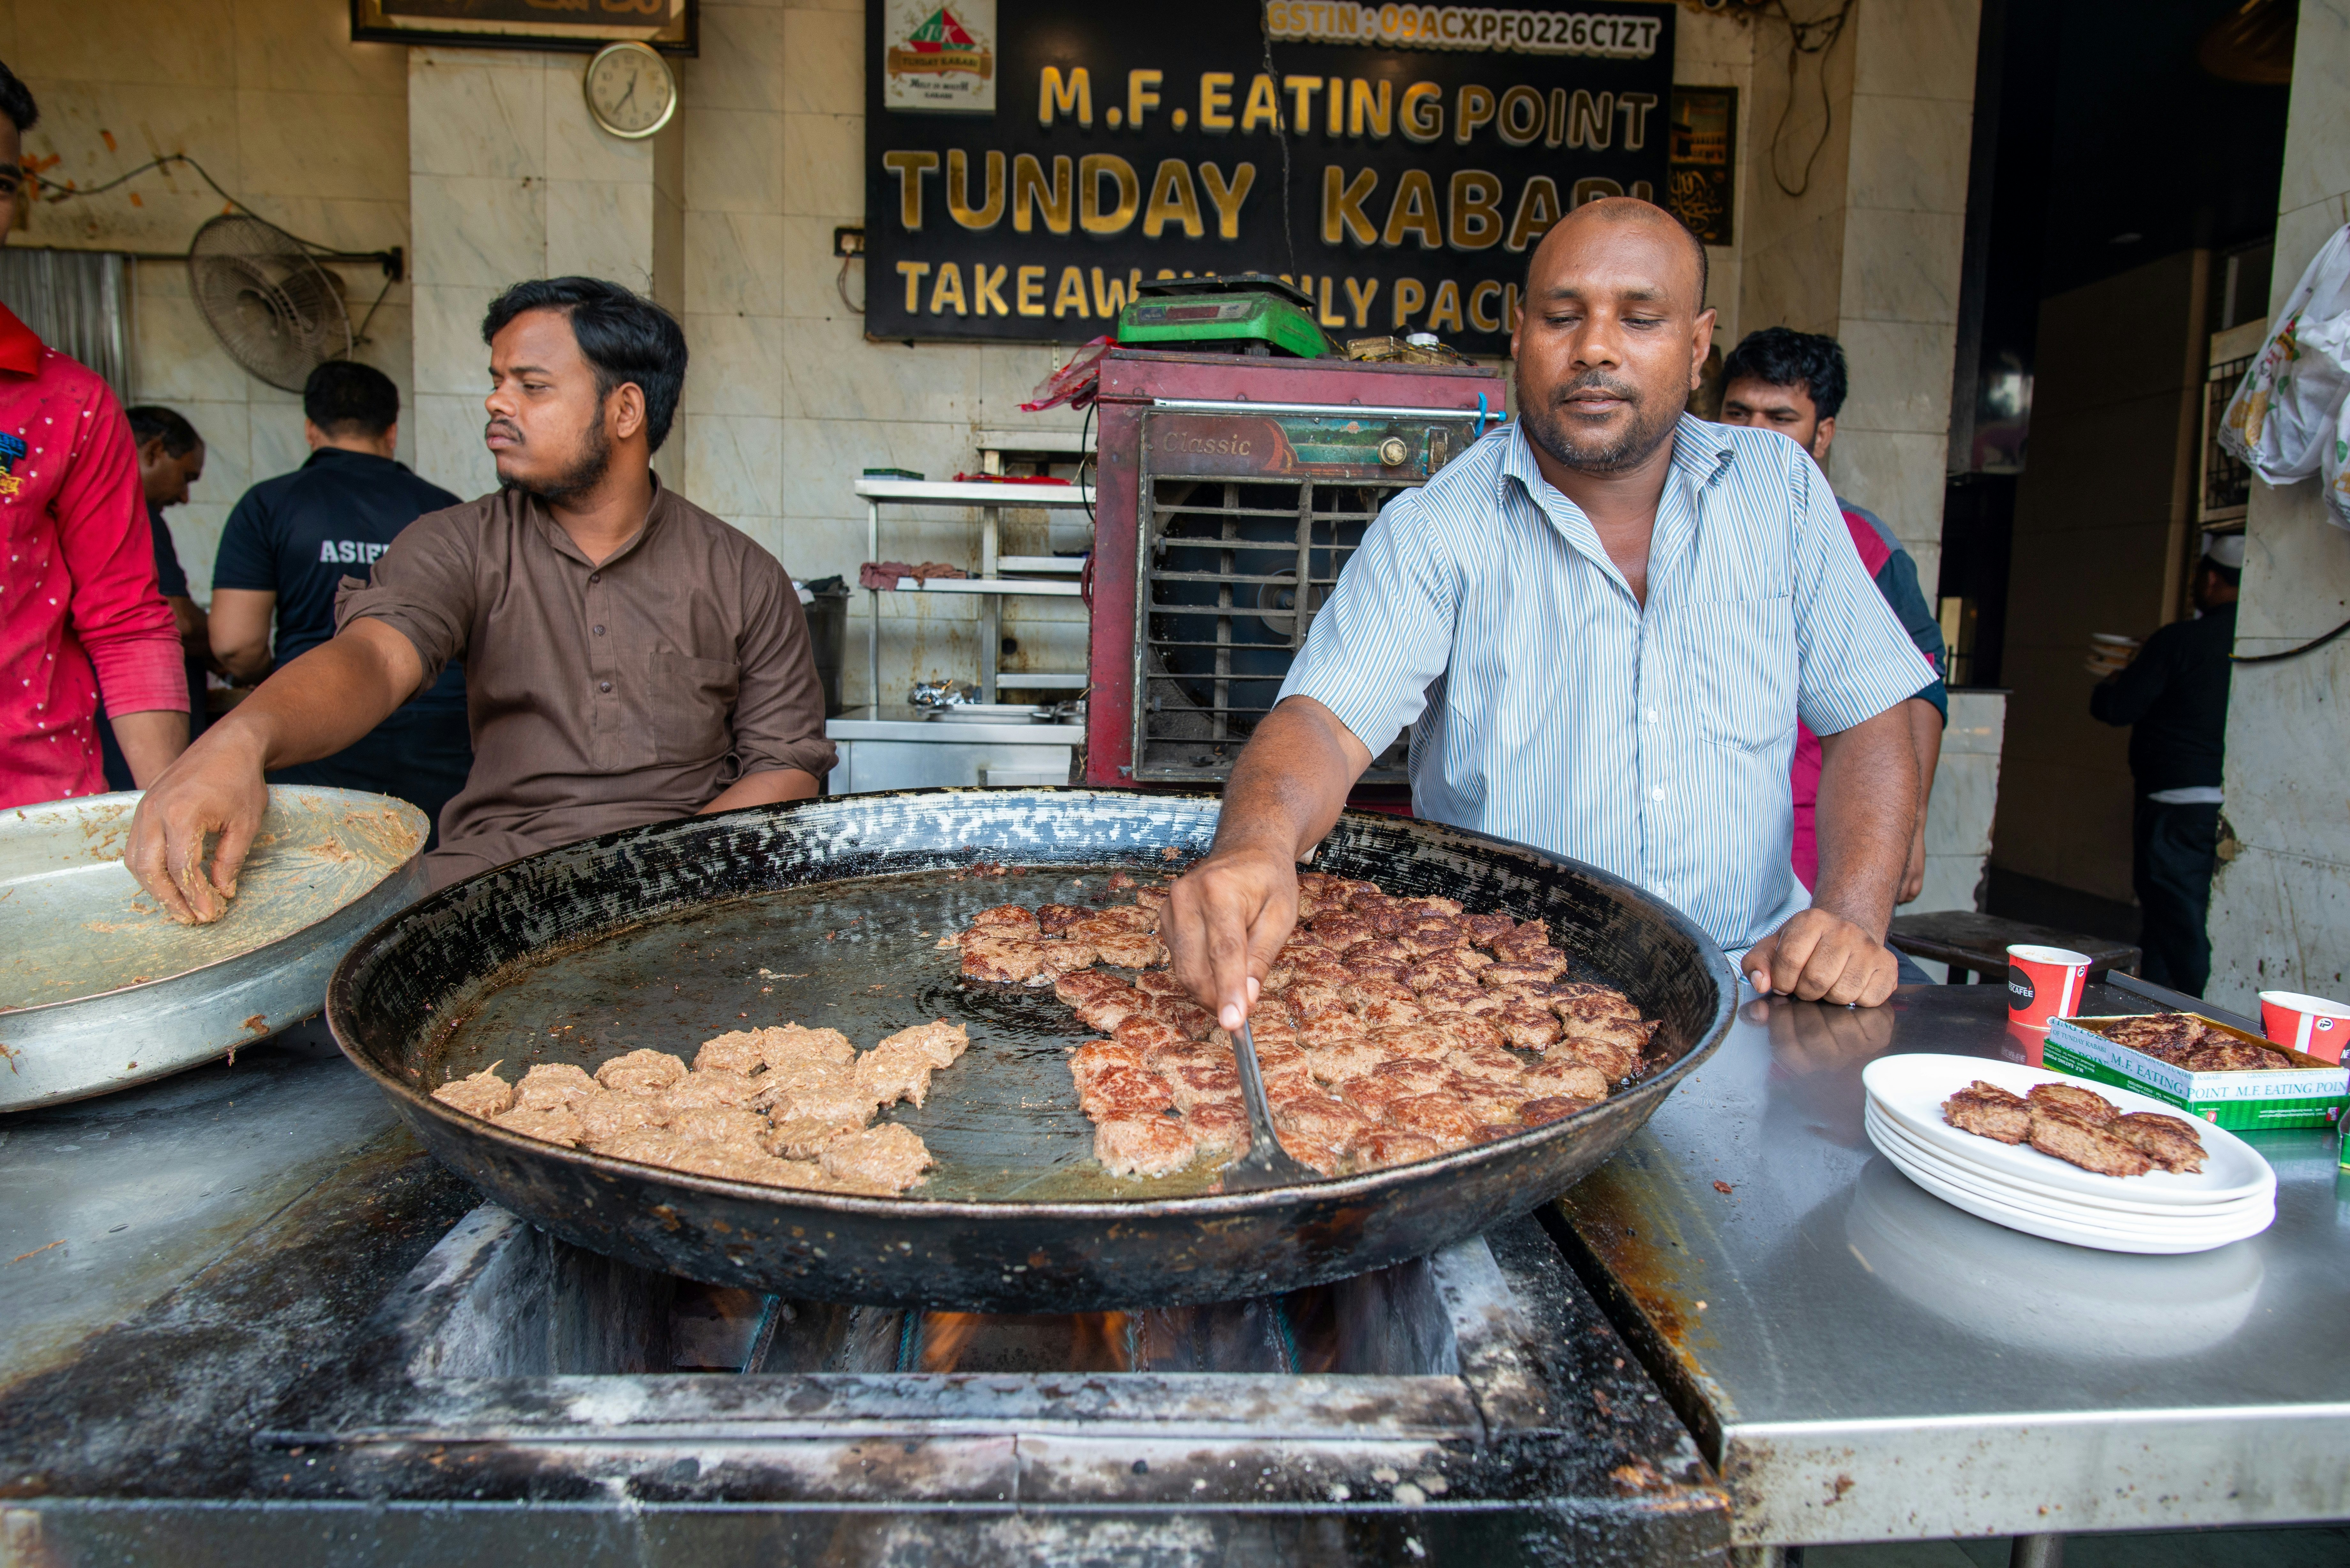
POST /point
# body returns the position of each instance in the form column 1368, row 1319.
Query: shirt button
column 607, row 686
column 599, row 631
column 1652, row 715
column 595, row 576
column 1658, row 794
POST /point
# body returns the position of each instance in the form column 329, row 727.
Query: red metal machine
column 1230, row 490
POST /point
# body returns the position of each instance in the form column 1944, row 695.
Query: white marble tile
column 598, row 229
column 733, row 160
column 1900, row 374
column 1707, row 44
column 824, row 62
column 811, row 273
column 1793, row 281
column 151, row 42
column 823, row 166
column 449, row 450
column 1950, row 883
column 175, row 357
column 228, row 472
column 2301, row 232
column 734, row 263
column 466, row 119
column 450, row 355
column 2285, row 729
column 2279, row 922
column 2296, row 566
column 1959, row 815
column 830, row 372
column 1899, row 476
column 822, row 459
column 578, row 148
column 2316, row 153
column 1902, row 266
column 1917, row 48
column 814, row 547
column 195, row 535
column 279, row 446
column 484, row 232
column 1909, row 153
column 1978, row 723
column 308, row 49
column 743, row 62
column 737, row 465
column 321, row 144
column 737, row 365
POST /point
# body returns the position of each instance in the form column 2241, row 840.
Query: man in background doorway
column 79, row 613
column 2174, row 697
column 1794, row 383
column 289, row 547
column 170, row 461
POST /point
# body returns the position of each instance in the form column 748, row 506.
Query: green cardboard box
column 2313, row 1093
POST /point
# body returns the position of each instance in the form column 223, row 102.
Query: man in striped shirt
column 1603, row 621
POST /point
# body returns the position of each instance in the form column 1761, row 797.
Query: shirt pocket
column 693, row 700
column 1744, row 672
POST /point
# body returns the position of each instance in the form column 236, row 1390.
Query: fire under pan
column 1474, row 1401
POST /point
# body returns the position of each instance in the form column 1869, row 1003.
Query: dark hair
column 17, row 100
column 344, row 397
column 2232, row 576
column 149, row 420
column 1782, row 357
column 625, row 335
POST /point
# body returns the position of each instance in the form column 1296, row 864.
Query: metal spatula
column 1264, row 1165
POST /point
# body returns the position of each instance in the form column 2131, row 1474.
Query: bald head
column 1610, row 213
column 1613, row 331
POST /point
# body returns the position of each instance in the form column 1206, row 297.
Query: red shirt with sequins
column 79, row 610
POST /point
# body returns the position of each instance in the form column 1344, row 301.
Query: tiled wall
column 2281, row 908
column 274, row 100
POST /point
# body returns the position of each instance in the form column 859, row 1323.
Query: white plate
column 1910, row 1089
column 2105, row 1241
column 2193, row 1225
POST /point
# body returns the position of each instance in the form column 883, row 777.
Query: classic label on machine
column 1395, row 161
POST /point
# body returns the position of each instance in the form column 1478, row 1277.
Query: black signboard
column 1027, row 162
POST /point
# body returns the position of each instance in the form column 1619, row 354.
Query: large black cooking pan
column 828, row 913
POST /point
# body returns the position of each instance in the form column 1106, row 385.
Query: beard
column 1549, row 428
column 586, row 472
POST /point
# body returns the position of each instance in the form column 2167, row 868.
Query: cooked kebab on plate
column 787, row 1107
column 1389, row 1030
column 2078, row 1126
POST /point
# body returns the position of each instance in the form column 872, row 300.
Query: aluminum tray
column 100, row 991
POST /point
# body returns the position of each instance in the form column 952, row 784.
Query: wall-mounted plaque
column 1702, row 142
column 586, row 26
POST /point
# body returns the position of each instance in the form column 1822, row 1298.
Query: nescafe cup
column 2305, row 1023
column 2043, row 984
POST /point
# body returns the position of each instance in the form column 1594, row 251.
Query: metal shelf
column 945, row 492
column 1026, row 587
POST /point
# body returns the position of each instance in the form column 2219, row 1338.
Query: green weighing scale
column 1246, row 313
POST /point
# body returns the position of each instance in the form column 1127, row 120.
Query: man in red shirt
column 80, row 613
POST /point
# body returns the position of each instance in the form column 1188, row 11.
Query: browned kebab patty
column 2188, row 1042
column 783, row 1108
column 1390, row 1029
column 2078, row 1126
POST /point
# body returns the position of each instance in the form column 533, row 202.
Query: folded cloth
column 882, row 575
column 931, row 569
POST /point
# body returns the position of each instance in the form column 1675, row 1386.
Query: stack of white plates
column 2016, row 1185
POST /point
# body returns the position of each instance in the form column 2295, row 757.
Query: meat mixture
column 785, row 1107
column 1389, row 1030
column 2078, row 1126
column 2188, row 1042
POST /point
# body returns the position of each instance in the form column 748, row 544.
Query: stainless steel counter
column 1864, row 1362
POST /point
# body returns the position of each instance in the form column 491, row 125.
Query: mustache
column 502, row 427
column 1598, row 381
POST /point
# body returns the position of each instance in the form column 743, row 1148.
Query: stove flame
column 1072, row 1341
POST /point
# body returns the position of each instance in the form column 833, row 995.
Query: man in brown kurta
column 601, row 696
column 629, row 657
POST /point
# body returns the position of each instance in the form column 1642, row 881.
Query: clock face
column 630, row 90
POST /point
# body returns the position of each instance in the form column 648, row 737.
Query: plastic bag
column 2336, row 469
column 2283, row 421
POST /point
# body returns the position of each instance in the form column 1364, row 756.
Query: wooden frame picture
column 583, row 25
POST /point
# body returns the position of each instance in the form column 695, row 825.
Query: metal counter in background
column 899, row 747
column 1864, row 1362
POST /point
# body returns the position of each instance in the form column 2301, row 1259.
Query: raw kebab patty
column 1390, row 1029
column 784, row 1108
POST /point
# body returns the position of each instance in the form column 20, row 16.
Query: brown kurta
column 600, row 697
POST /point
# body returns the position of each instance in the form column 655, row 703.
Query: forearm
column 1926, row 740
column 151, row 741
column 1868, row 808
column 1290, row 782
column 768, row 788
column 245, row 664
column 324, row 701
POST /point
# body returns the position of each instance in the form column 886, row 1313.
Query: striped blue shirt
column 1553, row 710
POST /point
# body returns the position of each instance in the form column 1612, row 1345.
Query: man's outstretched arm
column 1835, row 951
column 1228, row 915
column 313, row 707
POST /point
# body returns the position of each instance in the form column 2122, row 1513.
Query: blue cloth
column 1552, row 709
column 1897, row 581
column 298, row 535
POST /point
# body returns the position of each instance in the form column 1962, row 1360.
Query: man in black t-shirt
column 2174, row 696
column 290, row 545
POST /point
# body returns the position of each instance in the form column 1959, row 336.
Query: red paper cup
column 2043, row 984
column 2305, row 1023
